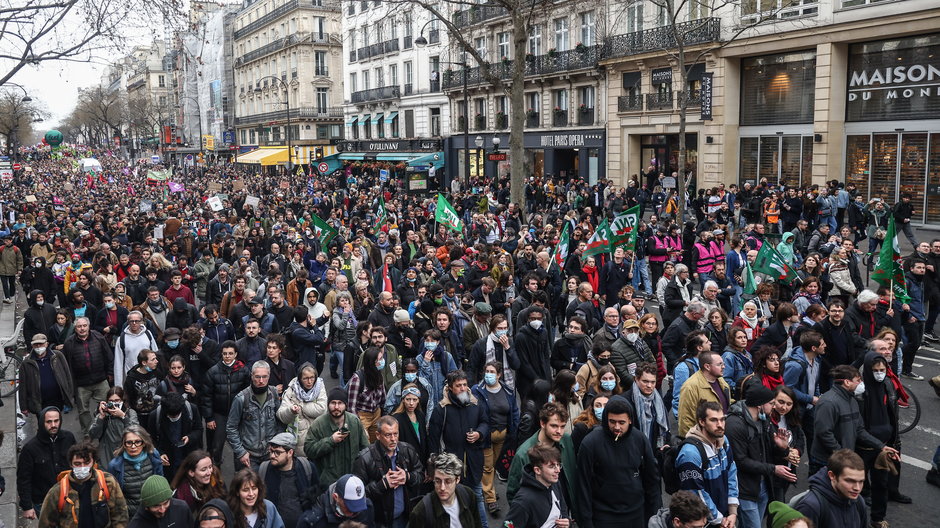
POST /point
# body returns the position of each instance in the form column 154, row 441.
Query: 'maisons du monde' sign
column 891, row 81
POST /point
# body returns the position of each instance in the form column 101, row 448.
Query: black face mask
column 259, row 390
column 603, row 361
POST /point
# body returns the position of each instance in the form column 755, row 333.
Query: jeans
column 641, row 271
column 831, row 220
column 88, row 398
column 915, row 334
column 751, row 513
column 478, row 490
column 336, row 365
column 9, row 286
column 908, row 232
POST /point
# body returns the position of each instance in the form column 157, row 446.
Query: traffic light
column 318, row 153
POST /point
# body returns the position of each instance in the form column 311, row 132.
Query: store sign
column 662, row 76
column 706, row 95
column 390, row 146
column 563, row 140
column 897, row 79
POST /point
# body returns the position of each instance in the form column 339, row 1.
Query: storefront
column 568, row 154
column 777, row 113
column 399, row 157
column 892, row 131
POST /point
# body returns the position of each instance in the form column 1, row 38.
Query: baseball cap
column 631, row 323
column 353, row 492
column 39, row 338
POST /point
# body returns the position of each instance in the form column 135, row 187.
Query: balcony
column 585, row 57
column 532, row 120
column 692, row 98
column 379, row 48
column 560, row 118
column 375, row 94
column 477, row 14
column 408, row 89
column 479, row 122
column 502, row 121
column 280, row 11
column 630, row 103
column 663, row 38
column 295, row 113
column 435, row 85
column 280, row 44
column 659, row 101
column 585, row 116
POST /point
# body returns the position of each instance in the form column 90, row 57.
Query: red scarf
column 903, row 397
column 591, row 273
column 771, row 382
column 386, row 280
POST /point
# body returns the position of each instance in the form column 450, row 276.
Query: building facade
column 394, row 106
column 148, row 95
column 288, row 78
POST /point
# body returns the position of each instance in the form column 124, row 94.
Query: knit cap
column 155, row 491
column 781, row 514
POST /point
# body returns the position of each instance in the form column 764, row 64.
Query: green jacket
column 203, row 273
column 334, row 460
column 110, row 512
column 568, row 466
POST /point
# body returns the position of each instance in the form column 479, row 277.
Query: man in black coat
column 40, row 316
column 176, row 429
column 614, row 275
column 532, row 349
column 223, row 382
column 392, row 472
column 42, row 459
column 674, row 338
column 540, row 493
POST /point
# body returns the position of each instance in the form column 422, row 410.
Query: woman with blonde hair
column 302, row 402
column 135, row 460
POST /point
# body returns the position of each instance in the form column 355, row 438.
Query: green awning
column 428, row 160
column 364, row 120
column 351, row 156
column 352, row 122
column 391, row 117
column 377, row 119
column 333, row 163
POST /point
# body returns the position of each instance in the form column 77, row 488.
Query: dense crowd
column 386, row 370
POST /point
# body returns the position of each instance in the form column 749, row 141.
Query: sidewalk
column 8, row 453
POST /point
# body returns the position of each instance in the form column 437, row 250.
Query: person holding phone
column 334, row 439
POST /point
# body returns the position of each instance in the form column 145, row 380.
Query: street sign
column 154, row 159
column 323, row 167
column 383, row 175
column 497, row 156
column 189, row 157
column 17, row 166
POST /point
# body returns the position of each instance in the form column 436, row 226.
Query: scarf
column 646, row 408
column 386, row 280
column 578, row 340
column 303, row 395
column 156, row 306
column 683, row 291
column 771, row 382
column 136, row 461
column 751, row 321
column 591, row 273
column 508, row 375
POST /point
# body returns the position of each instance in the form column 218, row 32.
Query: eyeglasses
column 133, row 443
column 276, row 452
column 444, row 483
column 134, row 321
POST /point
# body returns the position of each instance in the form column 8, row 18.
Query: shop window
column 884, row 166
column 778, row 89
column 749, row 157
column 933, row 180
column 857, row 161
column 781, row 160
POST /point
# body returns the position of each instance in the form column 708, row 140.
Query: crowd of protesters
column 388, row 375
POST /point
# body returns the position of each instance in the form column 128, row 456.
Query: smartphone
column 344, row 430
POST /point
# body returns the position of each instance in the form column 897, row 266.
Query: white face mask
column 81, row 472
column 632, row 337
column 860, row 389
column 37, row 265
column 40, row 302
column 40, row 350
column 536, row 324
column 879, row 376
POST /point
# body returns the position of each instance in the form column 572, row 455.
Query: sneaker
column 935, row 383
column 933, row 477
column 912, row 375
column 903, row 404
column 492, row 508
column 900, row 498
column 8, row 301
column 930, row 336
column 880, row 524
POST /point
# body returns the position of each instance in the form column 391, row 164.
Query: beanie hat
column 337, row 393
column 154, row 491
column 757, row 395
column 781, row 514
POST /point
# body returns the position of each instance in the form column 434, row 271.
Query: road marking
column 907, row 459
column 929, row 359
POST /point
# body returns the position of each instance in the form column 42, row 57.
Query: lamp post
column 198, row 116
column 290, row 147
column 496, row 142
column 478, row 141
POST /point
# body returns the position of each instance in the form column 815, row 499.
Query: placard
column 145, row 206
column 158, row 232
column 214, row 203
column 30, row 198
column 69, row 187
column 238, row 185
column 252, row 201
column 215, row 187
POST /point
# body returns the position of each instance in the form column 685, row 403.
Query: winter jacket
column 674, row 340
column 37, row 319
column 371, row 466
column 309, row 411
column 569, row 468
column 827, row 508
column 533, row 502
column 177, row 515
column 754, row 451
column 251, row 424
column 323, row 512
column 30, row 386
column 468, row 513
column 674, row 300
column 483, row 398
column 448, row 428
column 11, row 260
column 626, row 356
column 41, row 460
column 109, row 512
column 610, row 469
column 220, row 332
column 306, row 343
column 90, row 360
column 100, row 321
column 796, row 377
column 718, row 485
column 532, row 349
column 694, row 390
column 191, row 425
column 613, row 277
column 109, row 431
column 202, row 272
column 222, row 383
column 334, row 460
column 738, row 364
column 838, row 425
column 507, row 357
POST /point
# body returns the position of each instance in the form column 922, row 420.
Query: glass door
column 780, row 159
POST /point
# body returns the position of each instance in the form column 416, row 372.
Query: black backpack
column 669, row 471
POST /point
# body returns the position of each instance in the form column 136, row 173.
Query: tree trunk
column 517, row 110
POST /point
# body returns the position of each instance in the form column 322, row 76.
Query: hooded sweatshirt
column 38, row 319
column 41, row 460
column 535, row 504
column 827, row 508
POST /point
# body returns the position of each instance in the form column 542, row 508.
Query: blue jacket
column 718, row 487
column 737, row 366
column 915, row 289
column 795, row 376
column 116, row 466
column 483, row 397
column 432, row 371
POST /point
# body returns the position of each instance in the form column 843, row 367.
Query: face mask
column 411, row 279
column 536, row 324
column 76, row 262
column 464, row 397
column 490, row 378
column 147, row 369
column 381, row 365
column 576, row 388
column 860, row 389
column 37, row 265
column 879, row 376
column 411, row 376
column 762, row 416
column 632, row 337
column 81, row 472
column 501, row 333
column 603, row 361
column 40, row 303
column 466, row 306
column 438, row 301
column 173, row 344
column 109, row 306
column 608, row 385
column 174, row 420
column 431, row 345
column 599, row 413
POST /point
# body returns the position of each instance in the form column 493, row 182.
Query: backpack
column 669, row 471
column 798, row 498
column 123, row 340
column 304, row 465
column 103, row 492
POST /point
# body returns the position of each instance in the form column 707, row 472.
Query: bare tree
column 102, row 111
column 16, row 119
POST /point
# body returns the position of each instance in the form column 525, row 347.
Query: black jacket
column 220, row 387
column 177, row 515
column 674, row 340
column 774, row 336
column 532, row 349
column 478, row 358
column 570, row 353
column 754, row 451
column 40, row 462
column 533, row 502
column 407, row 434
column 674, row 300
column 827, row 508
column 190, row 425
column 37, row 319
column 371, row 466
column 449, row 425
column 612, row 278
column 322, row 514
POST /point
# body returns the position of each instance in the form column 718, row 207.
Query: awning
column 435, row 160
column 377, row 119
column 351, row 156
column 631, row 79
column 332, row 161
column 696, row 71
column 365, row 120
column 352, row 122
column 391, row 117
column 265, row 156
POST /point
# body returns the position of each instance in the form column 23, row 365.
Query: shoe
column 880, row 524
column 931, row 337
column 492, row 508
column 900, row 498
column 933, row 477
column 912, row 375
column 935, row 383
column 8, row 301
column 903, row 404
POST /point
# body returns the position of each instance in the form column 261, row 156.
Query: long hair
column 216, row 487
column 372, row 375
column 793, row 417
column 563, row 385
column 139, row 431
column 246, row 476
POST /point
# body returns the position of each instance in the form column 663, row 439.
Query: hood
column 631, row 412
column 31, row 298
column 41, row 431
column 220, row 505
column 529, row 480
column 307, row 292
column 787, row 237
column 821, row 483
column 662, row 519
column 179, row 304
column 739, row 409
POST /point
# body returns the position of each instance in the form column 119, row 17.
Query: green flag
column 623, row 229
column 770, row 262
column 747, row 277
column 889, row 271
column 560, row 253
column 599, row 242
column 446, row 215
column 323, row 231
column 382, row 215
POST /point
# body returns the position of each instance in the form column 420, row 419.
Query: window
column 409, row 28
column 782, row 86
column 760, row 10
column 393, row 127
column 435, row 121
column 379, row 77
column 503, row 45
column 320, row 63
column 479, row 44
column 352, row 82
column 323, row 132
column 586, row 96
column 319, row 27
column 365, row 80
column 161, row 81
column 853, row 3
column 480, row 106
column 393, row 28
column 635, row 17
column 393, row 74
column 662, row 15
column 698, row 9
column 322, row 99
column 409, row 73
column 351, row 9
column 560, row 98
column 365, row 36
column 352, row 39
column 588, row 28
column 379, row 32
column 535, row 40
column 561, row 34
column 533, row 102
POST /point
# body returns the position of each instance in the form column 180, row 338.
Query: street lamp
column 478, row 141
column 290, row 148
column 199, row 116
column 26, row 98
